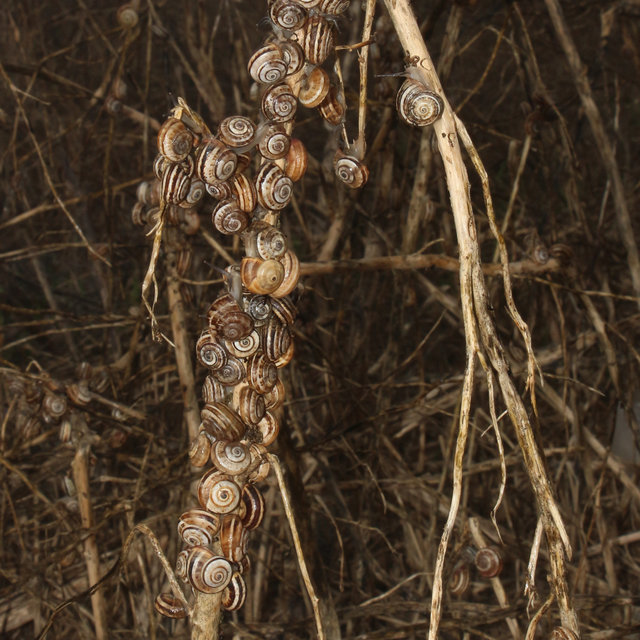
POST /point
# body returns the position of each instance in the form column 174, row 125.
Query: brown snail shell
column 54, row 406
column 332, row 108
column 231, row 373
column 460, row 580
column 287, row 14
column 235, row 594
column 176, row 182
column 284, row 310
column 159, row 165
column 293, row 56
column 200, row 450
column 244, row 191
column 222, row 422
column 195, row 194
column 275, row 142
column 184, row 257
column 170, row 606
column 273, row 186
column 228, row 218
column 277, row 339
column 210, row 352
column 274, row 398
column 79, row 393
column 224, row 496
column 417, row 105
column 296, row 165
column 175, row 141
column 260, row 464
column 488, row 561
column 316, row 39
column 262, row 374
column 215, row 162
column 212, row 391
column 269, row 428
column 198, row 527
column 261, row 276
column 314, row 88
column 259, row 308
column 250, row 403
column 233, row 538
column 267, row 65
column 231, row 458
column 127, row 15
column 226, row 318
column 286, row 357
column 291, row 266
column 237, row 131
column 278, row 103
column 254, row 506
column 562, row 633
column 244, row 347
column 266, row 241
column 139, row 214
column 334, row 7
column 220, row 190
column 207, row 572
column 350, row 170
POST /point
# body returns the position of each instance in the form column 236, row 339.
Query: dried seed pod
column 79, row 393
column 267, row 65
column 273, row 186
column 207, row 572
column 175, row 141
column 314, row 88
column 224, row 496
column 265, row 241
column 278, row 103
column 460, row 579
column 54, row 406
column 262, row 374
column 210, row 352
column 332, row 108
column 233, row 538
column 244, row 347
column 275, row 396
column 293, row 56
column 176, row 181
column 212, row 391
column 215, row 162
column 235, row 594
column 296, row 165
column 222, row 422
column 200, row 450
column 275, row 142
column 316, row 39
column 269, row 428
column 418, row 105
column 195, row 194
column 244, row 192
column 259, row 308
column 488, row 562
column 250, row 403
column 237, row 131
column 228, row 218
column 261, row 276
column 220, row 190
column 260, row 466
column 334, row 7
column 170, row 606
column 284, row 310
column 232, row 458
column 254, row 506
column 198, row 527
column 350, row 170
column 291, row 266
column 231, row 373
column 287, row 14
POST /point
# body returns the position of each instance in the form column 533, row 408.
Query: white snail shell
column 236, row 131
column 232, row 458
column 278, row 103
column 267, row 64
column 314, row 88
column 274, row 143
column 418, row 105
column 174, row 140
column 287, row 14
column 273, row 186
column 198, row 527
column 350, row 170
column 207, row 572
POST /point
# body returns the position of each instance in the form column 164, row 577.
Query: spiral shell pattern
column 170, row 606
column 207, row 572
column 232, row 458
column 287, row 14
column 174, row 140
column 236, row 131
column 198, row 527
column 228, row 218
column 273, row 186
column 275, row 143
column 267, row 65
column 350, row 170
column 278, row 103
column 417, row 105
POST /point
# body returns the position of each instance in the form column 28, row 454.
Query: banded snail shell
column 350, row 170
column 176, row 181
column 200, row 450
column 231, row 373
column 237, row 131
column 460, row 579
column 250, row 403
column 225, row 317
column 244, row 347
column 215, row 162
column 267, row 65
column 418, row 105
column 287, row 14
column 334, row 7
column 293, row 56
column 235, row 594
column 316, row 39
column 286, row 357
column 184, row 256
column 210, row 352
column 139, row 214
column 291, row 266
column 278, row 103
column 274, row 398
column 259, row 308
column 224, row 496
column 181, row 565
column 212, row 391
column 207, row 572
column 269, row 428
column 266, row 241
column 175, row 141
column 159, row 166
column 220, row 190
column 232, row 458
column 284, row 310
column 277, row 339
column 254, row 506
column 296, row 165
column 261, row 467
column 79, row 393
column 488, row 561
column 273, row 186
column 54, row 406
column 228, row 218
column 244, row 192
column 262, row 374
column 170, row 606
column 233, row 538
column 198, row 527
column 195, row 194
column 244, row 159
column 308, row 4
column 222, row 422
column 261, row 276
column 314, row 88
column 332, row 108
column 274, row 143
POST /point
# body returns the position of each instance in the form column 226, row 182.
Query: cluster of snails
column 488, row 562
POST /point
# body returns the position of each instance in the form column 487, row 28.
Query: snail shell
column 284, row 310
column 314, row 88
column 244, row 347
column 262, row 374
column 200, row 450
column 175, row 141
column 291, row 266
column 237, row 131
column 233, row 538
column 332, row 108
column 261, row 467
column 287, row 14
column 127, row 15
column 225, row 317
column 147, row 194
column 231, row 373
column 334, row 7
column 228, row 218
column 139, row 214
column 273, row 186
column 267, row 65
column 79, row 393
column 207, row 572
column 181, row 565
column 275, row 396
column 562, row 633
column 220, row 190
column 159, row 166
column 278, row 103
column 195, row 194
column 266, row 241
column 296, row 165
column 215, row 162
column 488, row 561
column 170, row 606
column 210, row 352
column 259, row 308
column 286, row 357
column 269, row 428
column 293, row 56
column 232, row 458
column 250, row 404
column 54, row 406
column 198, row 527
column 261, row 276
column 350, row 170
column 184, row 257
column 222, row 422
column 176, row 181
column 235, row 594
column 417, row 105
column 308, row 4
column 460, row 579
column 277, row 339
column 254, row 506
column 224, row 496
column 274, row 143
column 212, row 391
column 316, row 39
column 244, row 192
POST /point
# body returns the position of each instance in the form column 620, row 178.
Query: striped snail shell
column 174, row 140
column 170, row 606
column 221, row 190
column 232, row 458
column 286, row 356
column 316, row 39
column 231, row 373
column 79, row 393
column 237, row 131
column 284, row 310
column 181, row 565
column 296, row 165
column 244, row 192
column 273, row 186
column 332, row 108
column 184, row 256
column 262, row 374
column 198, row 527
column 275, row 143
column 265, row 241
column 233, row 538
column 244, row 347
column 195, row 194
column 159, row 166
column 228, row 218
column 291, row 266
column 460, row 579
column 224, row 496
column 350, row 170
column 212, row 391
column 488, row 561
column 226, row 317
column 278, row 103
column 293, row 56
column 275, row 396
column 334, row 7
column 215, row 162
column 254, row 506
column 260, row 468
column 176, row 181
column 261, row 276
column 222, row 422
column 249, row 402
column 417, row 105
column 54, row 406
column 287, row 14
column 267, row 65
column 562, row 633
column 259, row 308
column 210, row 352
column 145, row 193
column 235, row 594
column 269, row 428
column 244, row 159
column 200, row 450
column 277, row 339
column 207, row 572
column 308, row 4
column 139, row 214
column 314, row 88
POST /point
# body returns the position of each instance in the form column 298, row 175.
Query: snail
column 332, row 107
column 259, row 308
column 170, row 606
column 418, row 105
column 287, row 14
column 210, row 352
column 54, row 406
column 195, row 194
column 231, row 458
column 273, row 186
column 235, row 594
column 277, row 339
column 250, row 403
column 223, row 495
column 260, row 467
column 200, row 450
column 291, row 266
column 175, row 141
column 350, row 170
column 237, row 131
column 207, row 572
column 262, row 374
column 228, row 218
column 139, row 214
column 198, row 527
column 261, row 276
column 284, row 310
column 127, row 15
column 233, row 538
column 79, row 393
column 562, row 633
column 226, row 317
column 334, row 7
column 176, row 181
column 254, row 506
column 222, row 422
column 275, row 142
column 316, row 38
column 269, row 428
column 488, row 561
column 212, row 390
column 244, row 192
column 231, row 373
column 215, row 162
column 314, row 88
column 293, row 55
column 267, row 64
column 274, row 397
column 265, row 241
column 220, row 190
column 460, row 579
column 278, row 103
column 296, row 165
column 184, row 256
column 244, row 347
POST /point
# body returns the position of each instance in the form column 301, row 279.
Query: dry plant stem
column 476, row 318
column 363, row 60
column 80, row 470
column 603, row 143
